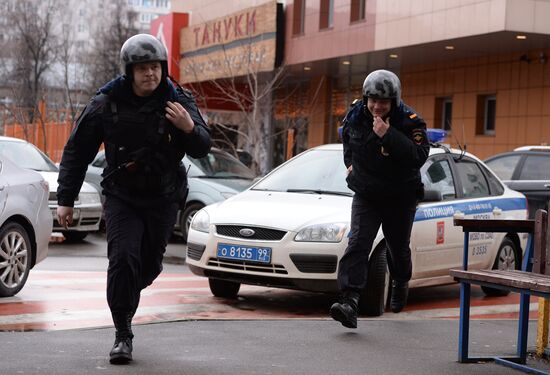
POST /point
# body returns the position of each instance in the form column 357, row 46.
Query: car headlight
column 332, row 232
column 201, row 221
column 89, row 198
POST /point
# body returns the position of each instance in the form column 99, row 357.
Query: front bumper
column 85, row 218
column 310, row 266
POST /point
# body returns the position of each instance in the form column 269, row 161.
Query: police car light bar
column 436, row 135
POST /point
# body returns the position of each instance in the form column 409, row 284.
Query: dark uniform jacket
column 384, row 167
column 142, row 148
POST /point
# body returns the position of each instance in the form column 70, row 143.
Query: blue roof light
column 436, row 135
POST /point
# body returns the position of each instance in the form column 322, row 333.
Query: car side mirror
column 436, row 173
column 432, row 196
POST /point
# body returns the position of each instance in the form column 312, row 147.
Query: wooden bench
column 532, row 279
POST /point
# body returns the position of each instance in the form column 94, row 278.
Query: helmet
column 142, row 48
column 382, row 84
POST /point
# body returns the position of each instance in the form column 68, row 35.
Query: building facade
column 477, row 68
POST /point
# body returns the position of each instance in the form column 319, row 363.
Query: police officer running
column 385, row 145
column 147, row 124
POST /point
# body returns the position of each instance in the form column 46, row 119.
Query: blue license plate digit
column 242, row 252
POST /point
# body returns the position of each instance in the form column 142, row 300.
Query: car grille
column 89, row 220
column 53, row 197
column 194, row 251
column 83, row 221
column 247, row 266
column 259, row 233
column 314, row 263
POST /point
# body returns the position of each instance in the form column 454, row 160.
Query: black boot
column 345, row 311
column 121, row 353
column 399, row 293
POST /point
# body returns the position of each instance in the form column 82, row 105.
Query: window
column 357, row 12
column 326, row 15
column 536, row 167
column 443, row 113
column 486, row 113
column 81, row 12
column 494, row 184
column 313, row 170
column 298, row 17
column 436, row 175
column 473, row 181
column 504, row 167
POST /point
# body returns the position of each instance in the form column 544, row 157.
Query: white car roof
column 533, row 148
column 433, row 150
column 11, row 139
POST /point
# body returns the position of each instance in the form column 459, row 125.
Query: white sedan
column 25, row 224
column 290, row 229
column 87, row 207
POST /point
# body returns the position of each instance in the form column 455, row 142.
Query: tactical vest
column 141, row 151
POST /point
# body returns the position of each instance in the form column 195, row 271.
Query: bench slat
column 516, row 279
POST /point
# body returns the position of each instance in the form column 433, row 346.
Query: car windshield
column 504, row 167
column 26, row 155
column 315, row 172
column 219, row 165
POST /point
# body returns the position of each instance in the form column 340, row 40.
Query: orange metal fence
column 49, row 137
column 46, row 128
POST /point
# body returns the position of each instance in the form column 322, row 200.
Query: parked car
column 212, row 178
column 290, row 228
column 526, row 169
column 25, row 224
column 87, row 207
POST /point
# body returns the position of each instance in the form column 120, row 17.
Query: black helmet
column 382, row 84
column 143, row 48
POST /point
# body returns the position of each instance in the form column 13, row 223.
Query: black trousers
column 396, row 216
column 136, row 241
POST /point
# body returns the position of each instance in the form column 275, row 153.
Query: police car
column 290, row 229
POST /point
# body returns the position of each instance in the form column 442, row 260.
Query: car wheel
column 187, row 216
column 224, row 288
column 507, row 259
column 15, row 258
column 71, row 236
column 374, row 297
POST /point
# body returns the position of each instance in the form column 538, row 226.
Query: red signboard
column 167, row 29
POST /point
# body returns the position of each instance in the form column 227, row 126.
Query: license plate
column 242, row 252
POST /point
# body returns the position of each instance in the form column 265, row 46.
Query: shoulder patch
column 418, row 136
column 413, row 116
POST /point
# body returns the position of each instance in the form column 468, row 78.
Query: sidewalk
column 268, row 347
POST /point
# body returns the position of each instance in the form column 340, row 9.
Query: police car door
column 436, row 242
column 481, row 199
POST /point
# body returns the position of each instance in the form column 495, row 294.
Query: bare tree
column 33, row 52
column 71, row 69
column 249, row 89
column 104, row 59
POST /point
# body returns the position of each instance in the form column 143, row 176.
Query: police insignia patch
column 418, row 136
column 413, row 116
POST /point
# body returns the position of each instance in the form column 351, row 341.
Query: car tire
column 374, row 297
column 15, row 258
column 187, row 216
column 224, row 288
column 507, row 259
column 72, row 236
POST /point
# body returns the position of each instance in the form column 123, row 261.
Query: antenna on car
column 460, row 147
